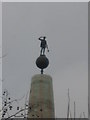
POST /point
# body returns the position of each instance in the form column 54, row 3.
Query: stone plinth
column 41, row 101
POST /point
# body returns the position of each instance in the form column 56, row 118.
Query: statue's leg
column 41, row 52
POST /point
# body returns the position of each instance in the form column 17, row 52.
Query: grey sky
column 66, row 28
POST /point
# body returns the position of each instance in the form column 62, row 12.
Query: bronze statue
column 43, row 45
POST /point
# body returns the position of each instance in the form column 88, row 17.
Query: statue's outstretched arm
column 40, row 38
column 47, row 47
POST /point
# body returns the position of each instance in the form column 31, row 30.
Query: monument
column 41, row 99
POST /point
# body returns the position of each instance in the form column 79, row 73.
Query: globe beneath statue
column 42, row 62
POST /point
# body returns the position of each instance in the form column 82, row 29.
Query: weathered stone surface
column 41, row 101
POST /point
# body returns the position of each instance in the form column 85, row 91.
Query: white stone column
column 41, row 100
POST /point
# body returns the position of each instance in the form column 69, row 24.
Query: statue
column 42, row 61
column 43, row 45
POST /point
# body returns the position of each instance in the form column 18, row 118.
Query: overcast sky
column 66, row 27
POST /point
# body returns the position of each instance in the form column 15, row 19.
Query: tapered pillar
column 41, row 100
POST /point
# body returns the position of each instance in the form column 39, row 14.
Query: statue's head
column 44, row 37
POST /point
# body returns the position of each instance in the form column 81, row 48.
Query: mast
column 74, row 110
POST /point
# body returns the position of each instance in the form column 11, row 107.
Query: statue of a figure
column 43, row 45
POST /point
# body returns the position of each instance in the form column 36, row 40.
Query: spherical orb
column 42, row 62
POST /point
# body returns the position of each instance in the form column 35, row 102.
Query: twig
column 15, row 114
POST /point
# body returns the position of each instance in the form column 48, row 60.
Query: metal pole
column 74, row 110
